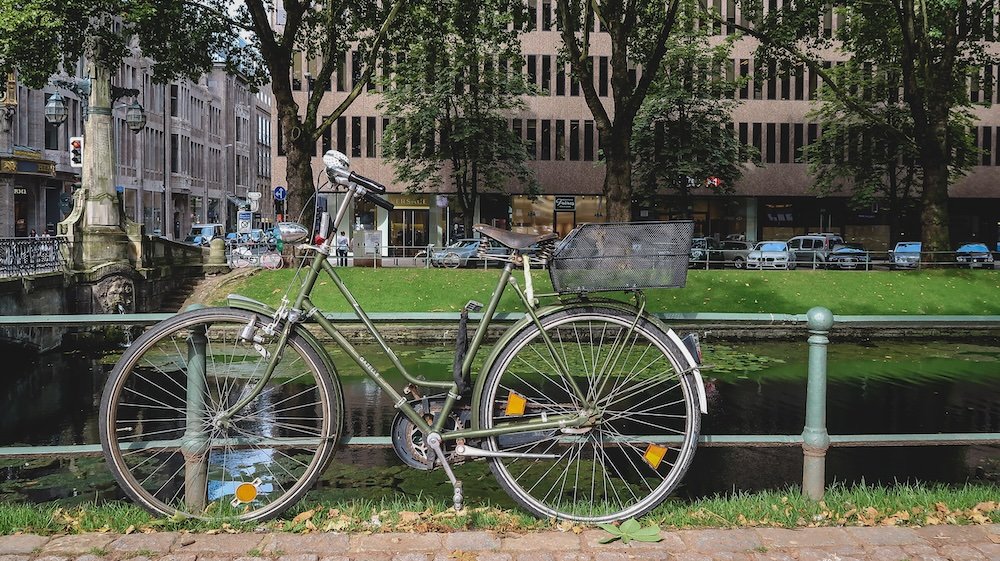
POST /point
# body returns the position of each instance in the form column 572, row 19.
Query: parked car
column 848, row 256
column 462, row 253
column 203, row 234
column 906, row 255
column 974, row 255
column 704, row 252
column 735, row 252
column 770, row 255
column 812, row 250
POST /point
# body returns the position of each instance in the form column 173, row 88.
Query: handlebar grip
column 375, row 199
column 369, row 184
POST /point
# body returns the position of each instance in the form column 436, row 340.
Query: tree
column 872, row 154
column 452, row 98
column 185, row 38
column 322, row 32
column 935, row 45
column 638, row 31
column 683, row 133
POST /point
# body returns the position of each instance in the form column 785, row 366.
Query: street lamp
column 55, row 110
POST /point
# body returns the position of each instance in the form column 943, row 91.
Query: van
column 813, row 249
column 203, row 234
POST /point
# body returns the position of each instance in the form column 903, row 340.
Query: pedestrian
column 342, row 249
column 33, row 234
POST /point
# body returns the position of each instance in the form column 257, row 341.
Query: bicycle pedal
column 473, row 306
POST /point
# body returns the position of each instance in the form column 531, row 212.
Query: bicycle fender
column 249, row 304
column 692, row 369
column 548, row 310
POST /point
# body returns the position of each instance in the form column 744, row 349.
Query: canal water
column 883, row 387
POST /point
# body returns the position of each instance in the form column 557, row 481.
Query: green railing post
column 815, row 438
column 195, row 443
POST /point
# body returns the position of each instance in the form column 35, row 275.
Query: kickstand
column 434, row 441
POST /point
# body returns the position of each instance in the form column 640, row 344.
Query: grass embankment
column 862, row 505
column 931, row 292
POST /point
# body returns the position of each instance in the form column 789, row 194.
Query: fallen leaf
column 302, row 517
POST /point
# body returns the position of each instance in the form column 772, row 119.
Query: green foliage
column 631, row 530
column 183, row 38
column 684, row 128
column 457, row 83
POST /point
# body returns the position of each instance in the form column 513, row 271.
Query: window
column 174, row 153
column 327, row 140
column 574, row 140
column 798, row 143
column 532, row 71
column 546, row 139
column 342, row 72
column 744, row 141
column 987, row 145
column 342, row 135
column 744, row 75
column 756, row 138
column 769, row 147
column 355, row 68
column 370, row 151
column 602, row 76
column 588, row 141
column 560, row 140
column 546, row 74
column 546, row 16
column 530, row 140
column 574, row 86
column 355, row 137
column 561, row 80
column 783, row 142
column 173, row 100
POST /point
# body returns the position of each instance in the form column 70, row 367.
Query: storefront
column 555, row 213
column 30, row 192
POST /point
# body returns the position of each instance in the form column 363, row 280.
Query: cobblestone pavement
column 932, row 543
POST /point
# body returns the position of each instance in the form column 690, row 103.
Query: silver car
column 735, row 252
column 770, row 255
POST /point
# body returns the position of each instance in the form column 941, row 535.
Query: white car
column 770, row 255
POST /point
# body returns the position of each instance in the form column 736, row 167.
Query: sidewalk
column 932, row 543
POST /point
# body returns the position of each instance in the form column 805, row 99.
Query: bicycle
column 586, row 409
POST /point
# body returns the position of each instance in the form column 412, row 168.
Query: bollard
column 815, row 438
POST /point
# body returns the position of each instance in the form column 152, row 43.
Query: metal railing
column 20, row 257
column 815, row 440
column 863, row 261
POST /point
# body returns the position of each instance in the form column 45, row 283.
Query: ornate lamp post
column 96, row 227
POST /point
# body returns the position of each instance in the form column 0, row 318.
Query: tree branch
column 366, row 75
column 652, row 67
column 579, row 61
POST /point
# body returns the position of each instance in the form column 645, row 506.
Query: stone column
column 6, row 179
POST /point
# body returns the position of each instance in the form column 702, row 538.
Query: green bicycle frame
column 305, row 308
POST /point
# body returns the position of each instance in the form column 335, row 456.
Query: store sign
column 411, row 201
column 16, row 165
column 565, row 203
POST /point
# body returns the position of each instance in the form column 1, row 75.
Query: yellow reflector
column 515, row 404
column 654, row 455
column 246, row 492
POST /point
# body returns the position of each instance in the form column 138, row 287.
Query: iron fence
column 814, row 440
column 21, row 257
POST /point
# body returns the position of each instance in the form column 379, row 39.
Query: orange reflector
column 515, row 404
column 246, row 492
column 654, row 455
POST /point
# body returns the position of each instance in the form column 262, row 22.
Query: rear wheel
column 451, row 260
column 171, row 451
column 645, row 417
column 739, row 263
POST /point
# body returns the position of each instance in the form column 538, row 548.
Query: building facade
column 773, row 200
column 205, row 147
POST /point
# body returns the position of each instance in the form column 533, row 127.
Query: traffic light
column 76, row 152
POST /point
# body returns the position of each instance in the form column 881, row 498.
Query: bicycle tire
column 278, row 444
column 617, row 454
column 271, row 260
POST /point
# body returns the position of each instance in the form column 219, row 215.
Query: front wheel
column 644, row 423
column 166, row 440
column 271, row 260
column 739, row 263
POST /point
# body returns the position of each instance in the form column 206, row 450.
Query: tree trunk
column 618, row 177
column 934, row 214
column 298, row 172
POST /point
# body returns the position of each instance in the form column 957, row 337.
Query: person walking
column 342, row 249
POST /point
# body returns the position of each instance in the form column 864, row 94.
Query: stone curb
column 938, row 543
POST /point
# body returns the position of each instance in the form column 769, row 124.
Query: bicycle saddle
column 513, row 240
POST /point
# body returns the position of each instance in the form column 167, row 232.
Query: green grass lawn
column 930, row 292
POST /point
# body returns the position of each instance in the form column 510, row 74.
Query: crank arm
column 473, row 452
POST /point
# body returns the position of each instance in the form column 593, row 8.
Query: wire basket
column 622, row 256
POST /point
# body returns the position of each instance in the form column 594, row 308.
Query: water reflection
column 760, row 388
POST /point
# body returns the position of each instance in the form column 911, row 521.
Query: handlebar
column 369, row 184
column 375, row 199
